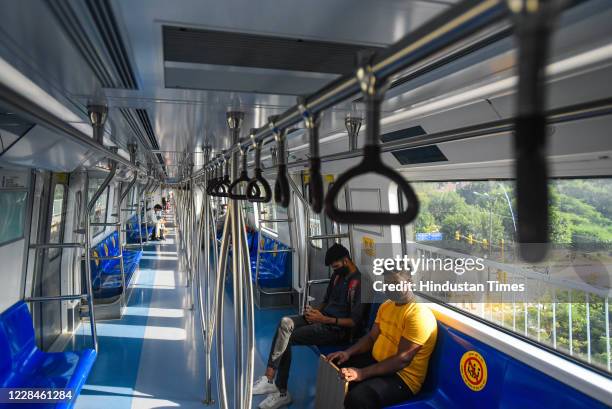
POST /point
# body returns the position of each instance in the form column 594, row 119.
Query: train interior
column 214, row 115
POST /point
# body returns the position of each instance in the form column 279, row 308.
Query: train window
column 99, row 213
column 569, row 312
column 13, row 204
column 57, row 218
column 267, row 211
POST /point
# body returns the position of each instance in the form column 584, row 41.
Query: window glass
column 13, row 204
column 566, row 307
column 268, row 212
column 57, row 218
column 99, row 211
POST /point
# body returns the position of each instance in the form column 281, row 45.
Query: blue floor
column 154, row 356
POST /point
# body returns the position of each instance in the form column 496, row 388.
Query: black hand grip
column 531, row 187
column 281, row 187
column 315, row 187
column 534, row 28
column 244, row 178
column 371, row 163
column 222, row 188
column 254, row 193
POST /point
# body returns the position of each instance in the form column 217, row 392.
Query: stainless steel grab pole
column 234, row 120
column 220, row 298
column 250, row 316
column 88, row 282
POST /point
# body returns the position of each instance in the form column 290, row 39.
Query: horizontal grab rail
column 275, row 220
column 56, row 245
column 278, row 251
column 57, row 298
column 329, row 236
column 105, row 224
column 103, row 257
column 318, row 281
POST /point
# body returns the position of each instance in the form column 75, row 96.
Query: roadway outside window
column 478, row 218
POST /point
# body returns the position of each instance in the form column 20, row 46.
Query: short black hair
column 336, row 252
column 157, row 206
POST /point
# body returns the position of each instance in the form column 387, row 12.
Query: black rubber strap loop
column 534, row 29
column 243, row 178
column 372, row 163
column 315, row 186
column 221, row 189
column 281, row 186
column 253, row 192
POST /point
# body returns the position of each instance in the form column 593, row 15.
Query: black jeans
column 295, row 330
column 377, row 392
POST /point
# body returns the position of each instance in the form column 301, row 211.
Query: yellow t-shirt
column 416, row 323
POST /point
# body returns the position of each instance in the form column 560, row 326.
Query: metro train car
column 400, row 204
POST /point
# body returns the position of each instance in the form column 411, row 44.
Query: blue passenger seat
column 274, row 267
column 106, row 274
column 23, row 365
column 509, row 383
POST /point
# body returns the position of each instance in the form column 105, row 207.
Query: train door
column 48, row 281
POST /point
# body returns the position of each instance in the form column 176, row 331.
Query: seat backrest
column 6, row 361
column 19, row 331
column 459, row 361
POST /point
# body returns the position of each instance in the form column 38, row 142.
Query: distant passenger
column 157, row 219
column 389, row 364
column 336, row 321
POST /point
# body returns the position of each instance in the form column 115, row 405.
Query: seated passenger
column 157, row 219
column 388, row 365
column 332, row 323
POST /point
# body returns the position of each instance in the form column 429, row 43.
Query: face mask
column 342, row 270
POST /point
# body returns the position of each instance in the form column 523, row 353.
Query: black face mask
column 342, row 270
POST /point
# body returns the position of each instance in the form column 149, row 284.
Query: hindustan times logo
column 415, row 264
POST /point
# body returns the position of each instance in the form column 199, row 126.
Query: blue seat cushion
column 23, row 365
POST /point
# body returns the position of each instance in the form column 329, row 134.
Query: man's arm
column 365, row 344
column 405, row 353
column 314, row 315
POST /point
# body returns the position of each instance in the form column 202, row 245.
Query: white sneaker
column 275, row 400
column 263, row 386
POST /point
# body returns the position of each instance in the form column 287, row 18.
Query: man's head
column 339, row 259
column 401, row 280
column 157, row 208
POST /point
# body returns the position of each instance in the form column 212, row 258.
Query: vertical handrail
column 122, row 196
column 220, row 299
column 250, row 316
column 90, row 206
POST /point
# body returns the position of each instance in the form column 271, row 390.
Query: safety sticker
column 473, row 370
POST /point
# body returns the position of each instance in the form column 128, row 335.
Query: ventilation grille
column 425, row 154
column 116, row 73
column 190, row 45
column 403, row 134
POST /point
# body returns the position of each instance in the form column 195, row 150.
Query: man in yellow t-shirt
column 389, row 364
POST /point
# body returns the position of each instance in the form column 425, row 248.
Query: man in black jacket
column 334, row 322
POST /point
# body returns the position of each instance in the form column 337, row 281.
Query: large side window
column 13, row 204
column 566, row 303
column 268, row 212
column 99, row 212
column 57, row 218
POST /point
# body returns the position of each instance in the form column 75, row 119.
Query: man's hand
column 351, row 374
column 313, row 316
column 339, row 356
